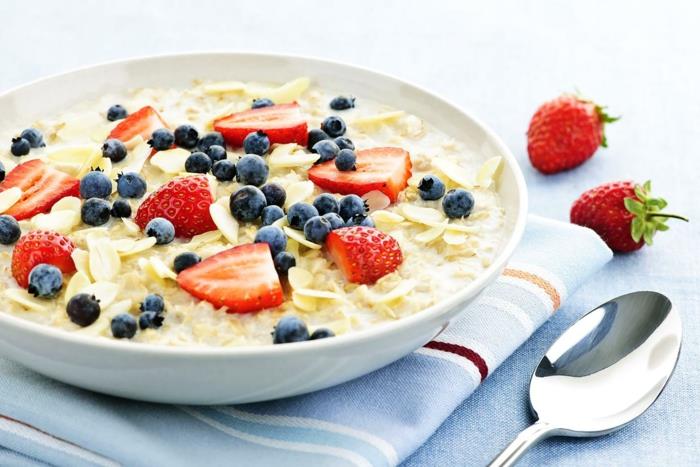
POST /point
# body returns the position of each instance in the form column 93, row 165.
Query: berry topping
column 290, row 329
column 242, row 279
column 116, row 112
column 360, row 219
column 344, row 143
column 95, row 211
column 141, row 123
column 153, row 302
column 131, row 185
column 315, row 135
column 224, row 170
column 34, row 137
column 184, row 202
column 299, row 213
column 247, row 203
column 282, row 123
column 334, row 220
column 350, row 206
column 273, row 236
column 211, row 139
column 20, row 147
column 317, row 229
column 284, row 261
column 162, row 229
column 431, row 188
column 9, row 230
column 114, row 149
column 326, row 150
column 334, row 126
column 41, row 247
column 342, row 103
column 162, row 139
column 121, row 208
column 45, row 281
column 325, row 203
column 261, row 102
column 216, row 153
column 458, row 203
column 274, row 194
column 83, row 309
column 123, row 326
column 252, row 170
column 321, row 333
column 270, row 214
column 256, row 142
column 185, row 260
column 363, row 254
column 198, row 162
column 150, row 320
column 186, row 136
column 345, row 160
column 95, row 184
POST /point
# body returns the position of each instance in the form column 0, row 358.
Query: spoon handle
column 522, row 443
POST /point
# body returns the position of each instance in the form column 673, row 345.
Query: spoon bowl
column 603, row 372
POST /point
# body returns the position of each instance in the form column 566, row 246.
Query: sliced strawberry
column 363, row 254
column 41, row 187
column 41, row 247
column 183, row 201
column 283, row 123
column 383, row 169
column 142, row 123
column 242, row 279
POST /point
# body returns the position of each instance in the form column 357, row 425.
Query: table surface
column 500, row 60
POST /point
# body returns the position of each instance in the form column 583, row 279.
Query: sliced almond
column 59, row 221
column 454, row 172
column 225, row 222
column 9, row 197
column 23, row 298
column 304, row 302
column 299, row 278
column 163, row 271
column 288, row 92
column 453, row 237
column 147, row 267
column 487, row 172
column 72, row 154
column 130, row 225
column 397, row 292
column 78, row 282
column 83, row 126
column 136, row 158
column 123, row 244
column 431, row 234
column 298, row 191
column 69, row 203
column 140, row 246
column 105, row 262
column 89, row 163
column 387, row 217
column 281, row 222
column 171, row 161
column 206, row 237
column 376, row 200
column 378, row 119
column 81, row 259
column 318, row 293
column 117, row 308
column 224, row 87
column 299, row 237
column 104, row 291
column 420, row 214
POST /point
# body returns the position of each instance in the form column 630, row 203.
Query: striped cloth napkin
column 376, row 420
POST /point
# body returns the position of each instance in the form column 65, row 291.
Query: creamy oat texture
column 120, row 265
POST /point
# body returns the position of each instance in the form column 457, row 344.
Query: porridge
column 233, row 213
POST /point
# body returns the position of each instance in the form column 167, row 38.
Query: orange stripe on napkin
column 548, row 288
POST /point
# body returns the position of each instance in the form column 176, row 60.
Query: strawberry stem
column 668, row 216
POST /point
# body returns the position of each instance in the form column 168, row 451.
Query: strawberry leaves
column 648, row 218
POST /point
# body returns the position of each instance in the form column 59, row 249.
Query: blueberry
column 9, row 230
column 252, row 170
column 247, row 203
column 274, row 194
column 116, row 112
column 153, row 302
column 131, row 185
column 284, row 261
column 20, row 147
column 83, row 309
column 335, row 220
column 262, row 102
column 299, row 213
column 345, row 160
column 2, row 172
column 326, row 149
column 317, row 229
column 431, row 188
column 333, row 126
column 95, row 211
column 360, row 219
column 325, row 203
column 315, row 136
column 224, row 170
column 210, row 139
column 95, row 184
column 34, row 136
column 123, row 326
column 256, row 142
column 351, row 205
column 458, row 203
column 150, row 319
column 162, row 139
column 270, row 214
column 114, row 149
column 290, row 329
column 186, row 136
column 162, row 229
column 344, row 143
column 216, row 153
column 342, row 103
column 198, row 163
column 45, row 281
column 121, row 208
column 273, row 236
column 185, row 260
column 321, row 333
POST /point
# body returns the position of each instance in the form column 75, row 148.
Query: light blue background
column 500, row 60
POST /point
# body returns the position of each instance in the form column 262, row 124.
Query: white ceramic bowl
column 245, row 374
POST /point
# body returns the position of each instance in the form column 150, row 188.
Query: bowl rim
column 345, row 340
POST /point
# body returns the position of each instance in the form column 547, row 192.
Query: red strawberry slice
column 184, row 202
column 38, row 247
column 383, row 169
column 142, row 123
column 283, row 123
column 364, row 254
column 242, row 279
column 41, row 187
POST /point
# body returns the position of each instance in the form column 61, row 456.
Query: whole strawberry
column 565, row 132
column 623, row 213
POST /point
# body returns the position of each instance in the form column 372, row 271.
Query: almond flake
column 117, row 308
column 130, row 225
column 304, row 302
column 224, row 87
column 376, row 200
column 298, row 191
column 89, row 163
column 147, row 267
column 104, row 259
column 299, row 278
column 123, row 244
column 171, row 161
column 60, row 221
column 290, row 155
column 288, row 92
column 206, row 237
column 378, row 119
column 78, row 282
column 452, row 237
column 163, row 271
column 487, row 172
column 69, row 203
column 281, row 222
column 81, row 259
column 83, row 126
column 72, row 154
column 387, row 217
column 421, row 215
column 225, row 222
column 28, row 301
column 104, row 291
column 454, row 172
column 140, row 246
column 431, row 234
column 9, row 197
column 397, row 292
column 318, row 293
column 299, row 237
column 135, row 159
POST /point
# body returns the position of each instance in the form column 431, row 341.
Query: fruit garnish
column 142, row 123
column 242, row 279
column 41, row 247
column 382, row 169
column 624, row 214
column 282, row 123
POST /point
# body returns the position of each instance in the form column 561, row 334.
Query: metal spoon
column 603, row 372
